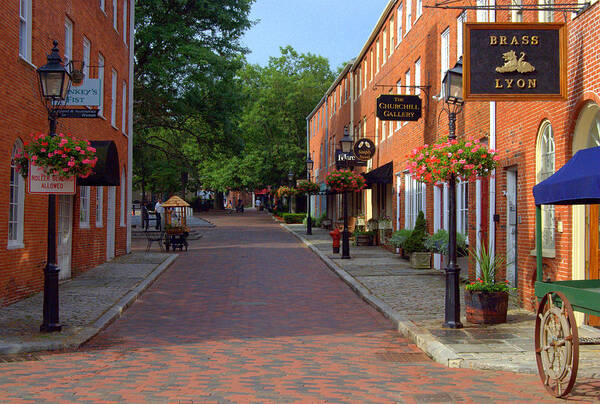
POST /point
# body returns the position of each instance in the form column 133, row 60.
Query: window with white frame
column 123, row 187
column 545, row 162
column 408, row 15
column 376, row 131
column 86, row 57
column 444, row 57
column 378, row 60
column 407, row 87
column 115, row 14
column 417, row 76
column 103, row 5
column 399, row 91
column 99, row 205
column 68, row 41
column 517, row 11
column 113, row 99
column 124, row 109
column 392, row 33
column 25, row 29
column 16, row 201
column 546, row 14
column 125, row 22
column 482, row 13
column 462, row 207
column 462, row 18
column 385, row 45
column 372, row 63
column 384, row 129
column 419, row 9
column 391, row 123
column 364, row 126
column 84, row 207
column 414, row 200
column 365, row 81
column 400, row 19
column 101, row 78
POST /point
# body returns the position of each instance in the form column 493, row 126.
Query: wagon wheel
column 556, row 345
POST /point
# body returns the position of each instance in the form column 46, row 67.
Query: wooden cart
column 176, row 229
column 556, row 336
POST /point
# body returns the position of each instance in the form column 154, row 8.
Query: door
column 593, row 231
column 511, row 227
column 110, row 223
column 64, row 235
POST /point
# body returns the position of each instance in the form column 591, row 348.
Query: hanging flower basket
column 61, row 155
column 345, row 181
column 307, row 187
column 466, row 159
column 285, row 191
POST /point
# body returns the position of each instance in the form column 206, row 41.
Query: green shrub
column 438, row 243
column 293, row 218
column 314, row 220
column 416, row 241
column 363, row 232
column 399, row 237
column 319, row 220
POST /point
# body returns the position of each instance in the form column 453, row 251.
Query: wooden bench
column 155, row 236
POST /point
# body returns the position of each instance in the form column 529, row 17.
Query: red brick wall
column 21, row 269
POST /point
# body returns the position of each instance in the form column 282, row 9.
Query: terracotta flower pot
column 486, row 307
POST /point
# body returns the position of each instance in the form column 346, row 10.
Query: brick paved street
column 249, row 314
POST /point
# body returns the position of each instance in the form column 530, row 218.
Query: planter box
column 364, row 239
column 486, row 307
column 420, row 260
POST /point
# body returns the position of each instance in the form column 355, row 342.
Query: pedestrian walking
column 158, row 210
column 145, row 217
column 258, row 204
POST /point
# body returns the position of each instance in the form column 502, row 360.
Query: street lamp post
column 54, row 82
column 309, row 167
column 452, row 85
column 346, row 145
column 290, row 179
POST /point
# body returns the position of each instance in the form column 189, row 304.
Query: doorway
column 511, row 227
column 64, row 233
column 110, row 223
column 593, row 232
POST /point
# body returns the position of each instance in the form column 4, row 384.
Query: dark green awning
column 106, row 172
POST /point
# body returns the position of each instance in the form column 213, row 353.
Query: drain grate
column 401, row 357
column 589, row 340
column 25, row 357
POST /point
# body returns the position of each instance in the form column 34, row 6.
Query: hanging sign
column 347, row 160
column 399, row 107
column 515, row 62
column 364, row 149
column 41, row 183
column 76, row 113
column 85, row 94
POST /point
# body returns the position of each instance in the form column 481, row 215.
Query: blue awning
column 576, row 183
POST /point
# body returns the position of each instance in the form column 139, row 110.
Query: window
column 84, row 207
column 546, row 15
column 419, row 9
column 392, row 31
column 391, row 123
column 25, row 29
column 16, row 201
column 545, row 168
column 417, row 76
column 384, row 129
column 123, row 187
column 517, row 12
column 385, row 45
column 68, row 41
column 99, row 204
column 414, row 200
column 400, row 23
column 482, row 14
column 365, row 82
column 124, row 109
column 445, row 57
column 377, row 61
column 113, row 100
column 398, row 91
column 462, row 18
column 125, row 22
column 408, row 15
column 462, row 207
column 101, row 78
column 115, row 14
column 372, row 64
column 102, row 5
column 86, row 57
column 376, row 131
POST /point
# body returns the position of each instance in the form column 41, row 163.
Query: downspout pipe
column 492, row 145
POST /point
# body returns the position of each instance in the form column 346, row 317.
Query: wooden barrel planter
column 364, row 239
column 486, row 307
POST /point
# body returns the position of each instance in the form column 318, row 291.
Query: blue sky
column 335, row 29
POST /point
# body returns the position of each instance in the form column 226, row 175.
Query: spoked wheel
column 556, row 344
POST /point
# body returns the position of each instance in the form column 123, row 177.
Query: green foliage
column 363, row 232
column 438, row 243
column 489, row 265
column 293, row 217
column 416, row 241
column 399, row 237
column 319, row 220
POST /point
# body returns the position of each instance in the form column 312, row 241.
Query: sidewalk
column 88, row 303
column 413, row 299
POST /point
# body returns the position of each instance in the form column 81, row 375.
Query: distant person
column 145, row 217
column 158, row 210
column 258, row 204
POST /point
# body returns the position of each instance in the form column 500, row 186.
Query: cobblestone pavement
column 251, row 315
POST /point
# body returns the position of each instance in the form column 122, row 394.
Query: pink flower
column 43, row 150
column 71, row 163
column 77, row 148
column 462, row 161
column 34, row 158
column 81, row 151
column 50, row 154
column 496, row 158
column 91, row 149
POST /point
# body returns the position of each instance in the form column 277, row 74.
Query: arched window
column 545, row 168
column 16, row 204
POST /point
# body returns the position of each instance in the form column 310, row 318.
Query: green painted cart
column 556, row 336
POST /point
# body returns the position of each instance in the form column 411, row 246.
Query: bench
column 154, row 236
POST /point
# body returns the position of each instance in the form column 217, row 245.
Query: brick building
column 93, row 225
column 408, row 52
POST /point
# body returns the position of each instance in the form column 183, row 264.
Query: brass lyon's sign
column 514, row 62
column 399, row 107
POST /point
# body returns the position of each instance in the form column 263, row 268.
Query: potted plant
column 363, row 237
column 345, row 181
column 438, row 243
column 420, row 257
column 384, row 224
column 307, row 187
column 399, row 238
column 486, row 301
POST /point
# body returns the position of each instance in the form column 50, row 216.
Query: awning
column 381, row 175
column 106, row 172
column 576, row 183
column 264, row 191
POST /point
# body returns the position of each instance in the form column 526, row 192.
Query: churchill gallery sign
column 514, row 62
column 398, row 107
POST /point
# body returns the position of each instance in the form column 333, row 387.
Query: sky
column 335, row 29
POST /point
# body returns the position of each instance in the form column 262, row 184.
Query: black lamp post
column 346, row 145
column 54, row 81
column 290, row 179
column 309, row 167
column 452, row 85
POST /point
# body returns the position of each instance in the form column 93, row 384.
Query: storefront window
column 546, row 167
column 16, row 203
